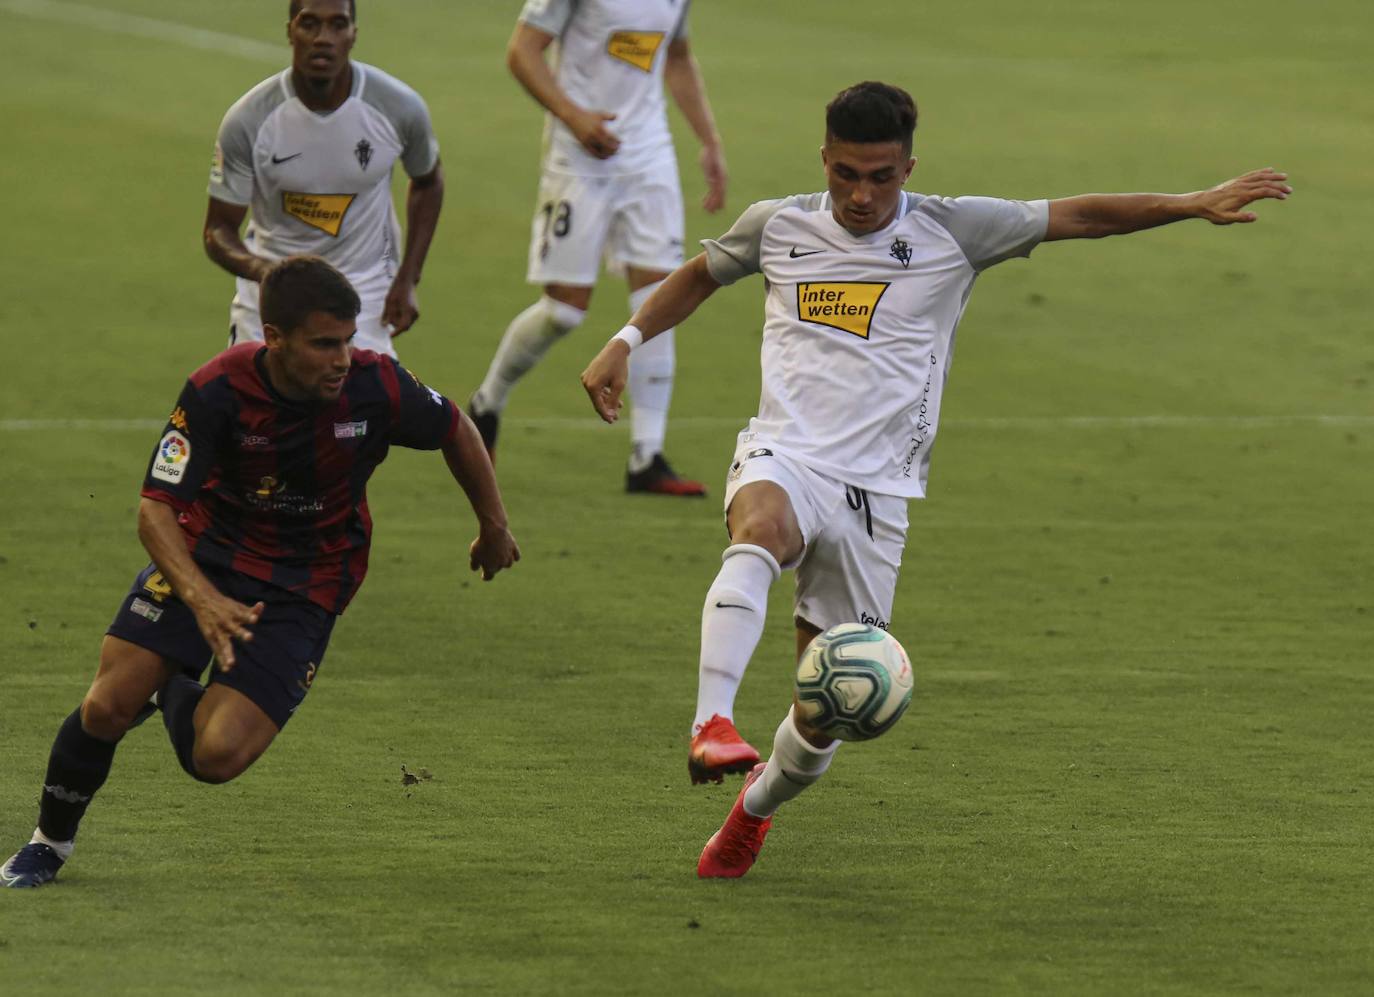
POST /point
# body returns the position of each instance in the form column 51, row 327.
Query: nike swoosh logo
column 731, row 605
column 796, row 255
column 284, row 159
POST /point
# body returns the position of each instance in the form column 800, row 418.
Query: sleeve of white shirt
column 681, row 30
column 736, row 254
column 231, row 169
column 549, row 16
column 406, row 110
column 989, row 229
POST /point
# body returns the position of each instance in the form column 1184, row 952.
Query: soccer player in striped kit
column 865, row 285
column 254, row 514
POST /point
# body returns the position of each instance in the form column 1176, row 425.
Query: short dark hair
column 295, row 9
column 871, row 112
column 299, row 285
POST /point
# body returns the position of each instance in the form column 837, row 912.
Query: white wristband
column 630, row 336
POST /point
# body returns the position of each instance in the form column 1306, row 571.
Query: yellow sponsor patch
column 322, row 211
column 847, row 306
column 638, row 48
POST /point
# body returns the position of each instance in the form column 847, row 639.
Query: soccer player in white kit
column 609, row 188
column 865, row 285
column 309, row 153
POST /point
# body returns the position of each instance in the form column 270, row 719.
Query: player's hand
column 589, row 128
column 493, row 550
column 402, row 307
column 713, row 168
column 1223, row 203
column 605, row 379
column 222, row 621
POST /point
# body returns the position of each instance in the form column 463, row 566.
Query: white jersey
column 321, row 183
column 858, row 330
column 609, row 57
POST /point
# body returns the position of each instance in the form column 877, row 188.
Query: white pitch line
column 149, row 27
column 726, row 422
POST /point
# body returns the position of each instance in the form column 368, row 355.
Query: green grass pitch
column 1140, row 599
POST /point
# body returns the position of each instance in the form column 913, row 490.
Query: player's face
column 310, row 363
column 865, row 181
column 322, row 35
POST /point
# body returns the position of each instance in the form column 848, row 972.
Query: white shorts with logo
column 245, row 321
column 847, row 572
column 630, row 221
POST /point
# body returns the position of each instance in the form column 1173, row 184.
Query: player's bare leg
column 530, row 335
column 216, row 731
column 650, row 387
column 82, row 755
column 764, row 534
column 232, row 732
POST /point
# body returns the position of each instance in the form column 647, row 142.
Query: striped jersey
column 277, row 489
column 859, row 330
column 609, row 57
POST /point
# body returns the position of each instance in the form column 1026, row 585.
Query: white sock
column 650, row 389
column 62, row 848
column 527, row 339
column 794, row 765
column 731, row 625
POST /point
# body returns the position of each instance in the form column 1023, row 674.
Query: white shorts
column 854, row 539
column 245, row 322
column 631, row 221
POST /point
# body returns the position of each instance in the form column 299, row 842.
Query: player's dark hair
column 295, row 9
column 299, row 285
column 871, row 112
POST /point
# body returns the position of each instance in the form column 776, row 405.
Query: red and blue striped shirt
column 277, row 489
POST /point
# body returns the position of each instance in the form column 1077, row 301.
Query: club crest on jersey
column 638, row 48
column 322, row 211
column 173, row 451
column 901, row 252
column 845, row 305
column 363, row 151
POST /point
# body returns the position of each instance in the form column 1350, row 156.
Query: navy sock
column 179, row 699
column 77, row 767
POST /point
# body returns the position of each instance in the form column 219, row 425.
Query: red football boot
column 660, row 479
column 733, row 849
column 717, row 749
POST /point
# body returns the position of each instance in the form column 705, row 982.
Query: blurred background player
column 308, row 153
column 609, row 188
column 865, row 285
column 254, row 513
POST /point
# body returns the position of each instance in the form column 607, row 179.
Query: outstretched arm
column 683, row 76
column 424, row 198
column 221, row 620
column 1092, row 216
column 680, row 294
column 525, row 60
column 467, row 461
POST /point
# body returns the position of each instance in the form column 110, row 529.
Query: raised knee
column 102, row 717
column 218, row 763
column 762, row 531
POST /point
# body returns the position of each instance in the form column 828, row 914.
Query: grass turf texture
column 1139, row 755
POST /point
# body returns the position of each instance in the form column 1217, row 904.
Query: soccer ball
column 853, row 682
